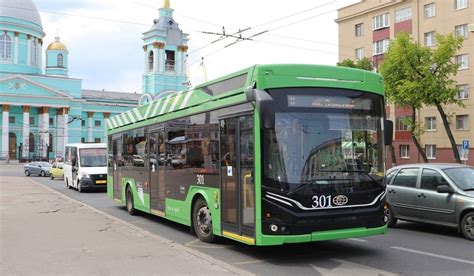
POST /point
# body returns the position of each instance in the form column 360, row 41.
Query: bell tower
column 57, row 59
column 164, row 47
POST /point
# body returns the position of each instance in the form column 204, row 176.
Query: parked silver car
column 38, row 168
column 432, row 193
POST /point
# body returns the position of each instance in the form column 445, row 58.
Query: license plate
column 100, row 181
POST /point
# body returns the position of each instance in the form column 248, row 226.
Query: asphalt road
column 408, row 249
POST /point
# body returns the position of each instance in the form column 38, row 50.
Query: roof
column 110, row 95
column 57, row 45
column 20, row 9
column 438, row 166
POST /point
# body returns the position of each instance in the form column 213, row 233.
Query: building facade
column 42, row 107
column 365, row 30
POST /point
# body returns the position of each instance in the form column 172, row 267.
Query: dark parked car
column 432, row 193
column 37, row 168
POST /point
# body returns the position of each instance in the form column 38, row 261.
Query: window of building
column 60, row 60
column 50, row 145
column 31, row 142
column 169, row 63
column 406, row 178
column 380, row 46
column 32, row 121
column 430, row 123
column 96, row 140
column 380, row 21
column 11, row 119
column 430, row 10
column 462, row 122
column 5, row 46
column 430, row 39
column 463, row 91
column 97, row 123
column 151, row 61
column 402, row 123
column 405, row 151
column 83, row 140
column 430, row 151
column 462, row 31
column 403, row 15
column 34, row 52
column 462, row 61
column 83, row 123
column 460, row 4
column 359, row 29
column 359, row 53
column 51, row 121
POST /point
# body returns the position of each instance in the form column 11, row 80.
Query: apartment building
column 365, row 30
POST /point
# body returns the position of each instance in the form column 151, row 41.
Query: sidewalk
column 44, row 232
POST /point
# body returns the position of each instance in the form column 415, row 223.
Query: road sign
column 465, row 144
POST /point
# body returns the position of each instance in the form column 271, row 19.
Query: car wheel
column 202, row 221
column 42, row 173
column 27, row 172
column 129, row 202
column 79, row 187
column 467, row 226
column 51, row 176
column 391, row 220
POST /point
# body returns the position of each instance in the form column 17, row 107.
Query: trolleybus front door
column 117, row 166
column 157, row 167
column 237, row 178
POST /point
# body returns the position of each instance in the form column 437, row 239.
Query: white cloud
column 108, row 55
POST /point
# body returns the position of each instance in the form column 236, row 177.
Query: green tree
column 364, row 64
column 417, row 76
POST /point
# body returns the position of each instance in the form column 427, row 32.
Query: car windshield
column 462, row 177
column 324, row 139
column 94, row 157
column 44, row 164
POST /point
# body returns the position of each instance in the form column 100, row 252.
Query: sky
column 104, row 37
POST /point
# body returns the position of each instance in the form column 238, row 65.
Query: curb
column 196, row 253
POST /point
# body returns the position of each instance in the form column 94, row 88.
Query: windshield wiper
column 469, row 189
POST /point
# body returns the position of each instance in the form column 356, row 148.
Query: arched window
column 5, row 46
column 50, row 146
column 60, row 60
column 34, row 52
column 150, row 61
column 31, row 143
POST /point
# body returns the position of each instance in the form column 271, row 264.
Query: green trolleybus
column 269, row 155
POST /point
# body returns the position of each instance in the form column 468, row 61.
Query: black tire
column 129, row 202
column 467, row 226
column 67, row 184
column 391, row 220
column 79, row 187
column 42, row 174
column 27, row 173
column 51, row 176
column 202, row 221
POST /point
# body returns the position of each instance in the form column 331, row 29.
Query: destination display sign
column 328, row 102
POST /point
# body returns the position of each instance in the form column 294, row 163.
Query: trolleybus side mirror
column 265, row 106
column 388, row 127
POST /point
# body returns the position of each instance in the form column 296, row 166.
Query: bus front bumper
column 322, row 235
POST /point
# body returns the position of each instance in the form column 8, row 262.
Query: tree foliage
column 417, row 76
column 364, row 64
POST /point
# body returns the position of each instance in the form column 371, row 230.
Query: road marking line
column 357, row 240
column 433, row 255
column 349, row 268
column 192, row 244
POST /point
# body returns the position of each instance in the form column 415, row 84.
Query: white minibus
column 85, row 166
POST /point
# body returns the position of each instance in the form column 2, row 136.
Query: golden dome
column 166, row 4
column 57, row 45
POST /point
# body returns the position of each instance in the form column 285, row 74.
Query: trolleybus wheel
column 129, row 202
column 202, row 221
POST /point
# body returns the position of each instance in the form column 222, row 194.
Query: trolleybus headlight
column 273, row 227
